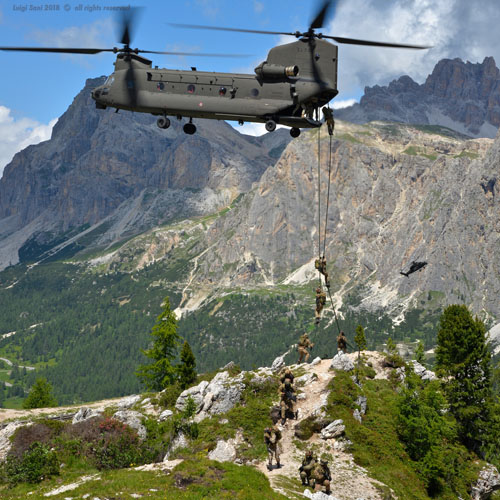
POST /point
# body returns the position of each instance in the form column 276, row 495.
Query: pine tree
column 420, row 353
column 40, row 395
column 160, row 373
column 463, row 361
column 360, row 338
column 187, row 368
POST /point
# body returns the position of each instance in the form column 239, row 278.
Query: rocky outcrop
column 462, row 96
column 333, row 430
column 225, row 451
column 85, row 414
column 487, row 483
column 422, row 372
column 133, row 419
column 342, row 362
column 218, row 396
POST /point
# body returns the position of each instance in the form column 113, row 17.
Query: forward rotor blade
column 353, row 41
column 57, row 50
column 197, row 54
column 319, row 20
column 221, row 28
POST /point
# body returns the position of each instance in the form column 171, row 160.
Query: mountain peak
column 460, row 95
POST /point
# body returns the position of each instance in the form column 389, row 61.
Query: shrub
column 37, row 463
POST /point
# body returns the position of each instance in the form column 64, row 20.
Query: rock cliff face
column 100, row 164
column 462, row 96
column 399, row 194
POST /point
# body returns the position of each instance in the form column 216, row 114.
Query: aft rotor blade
column 319, row 20
column 354, row 41
column 222, row 28
column 127, row 24
column 57, row 50
column 197, row 54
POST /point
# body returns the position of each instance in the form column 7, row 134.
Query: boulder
column 128, row 402
column 278, row 363
column 85, row 414
column 342, row 362
column 333, row 430
column 223, row 452
column 316, row 361
column 422, row 372
column 165, row 414
column 133, row 420
column 308, row 426
column 487, row 482
column 179, row 441
column 197, row 393
column 219, row 395
column 5, row 434
column 306, row 379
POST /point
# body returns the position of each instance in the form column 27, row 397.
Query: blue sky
column 35, row 89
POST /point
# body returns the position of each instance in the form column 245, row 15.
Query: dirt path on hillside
column 349, row 481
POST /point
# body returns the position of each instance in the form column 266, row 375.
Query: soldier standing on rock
column 342, row 343
column 321, row 477
column 304, row 344
column 307, row 467
column 272, row 436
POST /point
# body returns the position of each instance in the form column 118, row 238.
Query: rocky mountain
column 122, row 169
column 458, row 95
column 399, row 193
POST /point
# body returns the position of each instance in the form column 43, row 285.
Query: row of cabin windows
column 192, row 88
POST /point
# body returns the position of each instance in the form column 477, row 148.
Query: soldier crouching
column 321, row 477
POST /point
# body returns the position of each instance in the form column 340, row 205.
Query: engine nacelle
column 268, row 71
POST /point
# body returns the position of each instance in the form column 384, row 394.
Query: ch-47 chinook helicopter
column 288, row 88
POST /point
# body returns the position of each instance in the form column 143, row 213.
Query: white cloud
column 455, row 28
column 343, row 104
column 100, row 34
column 17, row 134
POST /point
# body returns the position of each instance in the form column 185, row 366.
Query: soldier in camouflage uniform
column 304, row 344
column 286, row 374
column 272, row 436
column 308, row 464
column 342, row 343
column 320, row 303
column 321, row 477
column 320, row 265
column 287, row 400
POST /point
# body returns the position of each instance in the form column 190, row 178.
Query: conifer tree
column 463, row 361
column 360, row 338
column 40, row 395
column 160, row 373
column 420, row 353
column 187, row 368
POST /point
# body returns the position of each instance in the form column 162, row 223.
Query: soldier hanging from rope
column 320, row 303
column 320, row 265
column 330, row 122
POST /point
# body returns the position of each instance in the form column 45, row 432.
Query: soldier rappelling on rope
column 320, row 265
column 320, row 303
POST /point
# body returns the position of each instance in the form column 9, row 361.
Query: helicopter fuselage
column 294, row 81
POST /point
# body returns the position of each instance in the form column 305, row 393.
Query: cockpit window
column 109, row 81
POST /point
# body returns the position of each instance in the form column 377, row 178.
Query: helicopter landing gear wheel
column 163, row 122
column 270, row 125
column 294, row 132
column 189, row 128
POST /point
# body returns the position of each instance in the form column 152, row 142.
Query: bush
column 169, row 395
column 117, row 446
column 37, row 463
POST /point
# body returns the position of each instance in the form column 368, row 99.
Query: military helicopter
column 288, row 88
column 414, row 267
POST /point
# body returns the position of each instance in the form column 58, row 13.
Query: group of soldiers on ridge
column 313, row 472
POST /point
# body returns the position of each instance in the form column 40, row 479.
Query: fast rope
column 331, row 124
